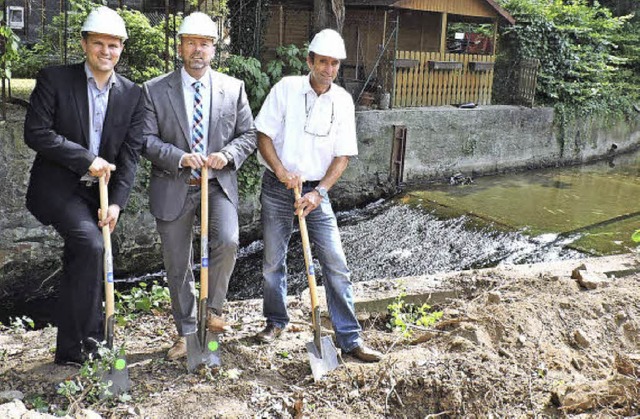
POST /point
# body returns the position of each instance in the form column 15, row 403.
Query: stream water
column 527, row 217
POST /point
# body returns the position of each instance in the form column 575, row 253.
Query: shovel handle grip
column 109, row 299
column 308, row 260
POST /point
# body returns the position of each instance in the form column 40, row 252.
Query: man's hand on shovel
column 113, row 213
column 307, row 203
column 101, row 167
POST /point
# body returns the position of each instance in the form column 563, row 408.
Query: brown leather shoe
column 215, row 323
column 270, row 333
column 178, row 350
column 365, row 354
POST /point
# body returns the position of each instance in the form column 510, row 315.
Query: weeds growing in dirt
column 140, row 299
column 21, row 324
column 89, row 388
column 402, row 315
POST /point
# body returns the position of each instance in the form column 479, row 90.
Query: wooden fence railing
column 430, row 79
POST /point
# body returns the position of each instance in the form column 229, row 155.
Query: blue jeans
column 277, row 224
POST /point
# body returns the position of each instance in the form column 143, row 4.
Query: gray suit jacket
column 167, row 138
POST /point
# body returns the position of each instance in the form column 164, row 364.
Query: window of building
column 15, row 16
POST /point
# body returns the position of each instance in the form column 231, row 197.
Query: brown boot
column 216, row 323
column 269, row 334
column 365, row 353
column 178, row 350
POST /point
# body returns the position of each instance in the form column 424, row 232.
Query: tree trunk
column 328, row 14
column 323, row 15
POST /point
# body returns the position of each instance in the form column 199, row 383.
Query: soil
column 510, row 343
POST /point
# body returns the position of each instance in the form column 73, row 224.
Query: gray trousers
column 177, row 252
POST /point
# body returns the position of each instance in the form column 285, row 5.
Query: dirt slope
column 510, row 345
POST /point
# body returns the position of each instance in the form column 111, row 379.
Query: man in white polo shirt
column 306, row 135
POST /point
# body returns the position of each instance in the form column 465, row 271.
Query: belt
column 194, row 182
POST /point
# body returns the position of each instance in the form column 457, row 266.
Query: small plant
column 21, row 324
column 88, row 387
column 37, row 403
column 403, row 315
column 141, row 299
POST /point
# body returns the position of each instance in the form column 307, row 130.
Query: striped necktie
column 197, row 134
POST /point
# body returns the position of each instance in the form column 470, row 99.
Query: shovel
column 322, row 354
column 118, row 375
column 203, row 346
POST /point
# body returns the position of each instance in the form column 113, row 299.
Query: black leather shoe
column 270, row 333
column 365, row 354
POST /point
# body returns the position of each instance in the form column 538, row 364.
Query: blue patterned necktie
column 197, row 134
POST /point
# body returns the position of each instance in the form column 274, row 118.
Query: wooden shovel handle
column 306, row 250
column 108, row 258
column 204, row 233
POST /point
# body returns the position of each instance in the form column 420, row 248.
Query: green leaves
column 402, row 315
column 576, row 41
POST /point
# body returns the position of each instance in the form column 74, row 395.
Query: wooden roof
column 476, row 8
column 482, row 9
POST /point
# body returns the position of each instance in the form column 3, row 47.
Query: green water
column 598, row 203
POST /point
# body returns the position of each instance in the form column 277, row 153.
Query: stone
column 575, row 274
column 581, row 338
column 591, row 280
column 494, row 297
column 12, row 410
column 87, row 414
column 8, row 396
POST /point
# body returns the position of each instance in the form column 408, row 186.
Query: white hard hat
column 198, row 24
column 106, row 21
column 328, row 42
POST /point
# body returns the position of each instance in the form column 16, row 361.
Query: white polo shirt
column 308, row 130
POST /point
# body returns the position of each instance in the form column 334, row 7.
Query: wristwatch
column 322, row 191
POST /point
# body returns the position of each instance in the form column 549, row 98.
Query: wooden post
column 281, row 28
column 495, row 36
column 443, row 36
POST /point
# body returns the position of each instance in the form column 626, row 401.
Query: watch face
column 322, row 191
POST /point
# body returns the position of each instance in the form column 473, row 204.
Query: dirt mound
column 511, row 346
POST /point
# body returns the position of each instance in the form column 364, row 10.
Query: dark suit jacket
column 57, row 128
column 167, row 138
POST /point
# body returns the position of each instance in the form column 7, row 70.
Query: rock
column 581, row 338
column 32, row 414
column 589, row 279
column 13, row 410
column 593, row 280
column 494, row 297
column 621, row 316
column 87, row 414
column 575, row 274
column 582, row 397
column 8, row 396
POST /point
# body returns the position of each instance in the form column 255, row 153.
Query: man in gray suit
column 195, row 117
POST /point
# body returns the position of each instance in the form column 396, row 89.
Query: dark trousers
column 79, row 309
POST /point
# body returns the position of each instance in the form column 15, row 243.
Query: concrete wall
column 485, row 140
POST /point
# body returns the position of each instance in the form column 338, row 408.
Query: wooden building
column 421, row 52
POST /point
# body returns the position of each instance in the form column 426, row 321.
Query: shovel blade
column 118, row 377
column 322, row 359
column 199, row 354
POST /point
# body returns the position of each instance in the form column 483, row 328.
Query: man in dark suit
column 83, row 121
column 195, row 117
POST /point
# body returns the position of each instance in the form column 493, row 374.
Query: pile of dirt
column 510, row 345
